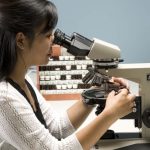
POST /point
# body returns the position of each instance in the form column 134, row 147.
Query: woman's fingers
column 111, row 94
column 120, row 81
column 123, row 92
column 133, row 103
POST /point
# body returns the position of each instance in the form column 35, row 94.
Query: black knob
column 146, row 117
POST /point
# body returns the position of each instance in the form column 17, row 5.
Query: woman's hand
column 121, row 104
column 120, row 82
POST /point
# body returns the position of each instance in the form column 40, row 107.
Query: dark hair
column 21, row 16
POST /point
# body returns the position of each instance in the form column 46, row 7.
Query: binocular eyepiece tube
column 76, row 44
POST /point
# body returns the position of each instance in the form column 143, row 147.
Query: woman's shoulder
column 7, row 91
column 10, row 95
column 3, row 88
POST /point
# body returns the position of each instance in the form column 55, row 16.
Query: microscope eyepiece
column 75, row 44
column 61, row 39
column 58, row 37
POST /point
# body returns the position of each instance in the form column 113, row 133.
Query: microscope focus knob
column 146, row 117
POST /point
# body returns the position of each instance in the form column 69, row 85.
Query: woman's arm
column 20, row 127
column 116, row 107
column 78, row 113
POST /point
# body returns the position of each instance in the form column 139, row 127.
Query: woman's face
column 41, row 49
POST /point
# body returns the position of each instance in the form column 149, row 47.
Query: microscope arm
column 139, row 73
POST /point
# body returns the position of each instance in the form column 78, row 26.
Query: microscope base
column 124, row 144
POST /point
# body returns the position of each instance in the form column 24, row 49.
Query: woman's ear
column 20, row 40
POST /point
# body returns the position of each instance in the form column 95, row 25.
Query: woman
column 26, row 121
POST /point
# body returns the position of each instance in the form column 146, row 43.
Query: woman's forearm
column 91, row 133
column 116, row 106
column 78, row 113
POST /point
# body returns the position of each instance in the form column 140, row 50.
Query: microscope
column 106, row 58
